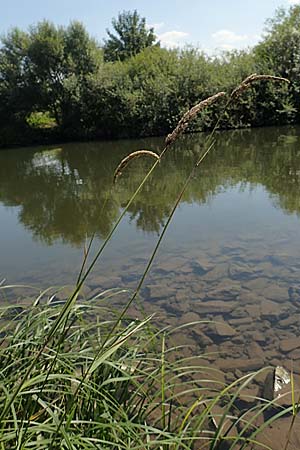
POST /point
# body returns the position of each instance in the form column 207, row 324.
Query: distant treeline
column 59, row 83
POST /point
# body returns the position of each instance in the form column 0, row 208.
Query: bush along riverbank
column 60, row 84
column 75, row 375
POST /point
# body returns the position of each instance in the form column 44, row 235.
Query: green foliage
column 279, row 53
column 140, row 89
column 41, row 120
column 44, row 70
column 131, row 37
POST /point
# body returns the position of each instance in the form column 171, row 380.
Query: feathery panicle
column 130, row 157
column 190, row 115
column 254, row 77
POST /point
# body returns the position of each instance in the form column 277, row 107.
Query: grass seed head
column 251, row 79
column 129, row 158
column 190, row 115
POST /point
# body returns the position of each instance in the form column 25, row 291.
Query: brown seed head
column 129, row 158
column 252, row 78
column 190, row 115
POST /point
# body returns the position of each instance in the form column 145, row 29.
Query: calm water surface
column 231, row 253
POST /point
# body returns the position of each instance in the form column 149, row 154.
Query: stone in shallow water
column 255, row 350
column 201, row 266
column 239, row 312
column 189, row 317
column 223, row 292
column 293, row 319
column 249, row 396
column 294, row 354
column 106, row 282
column 290, row 344
column 178, row 307
column 241, row 271
column 223, row 329
column 157, row 291
column 257, row 285
column 212, row 307
column 186, row 269
column 240, row 363
column 275, row 292
column 239, row 339
column 279, row 260
column 253, row 311
column 171, row 265
column 182, row 295
column 239, row 321
column 212, row 352
column 201, row 337
column 294, row 295
column 219, row 272
column 270, row 310
column 258, row 336
column 247, row 297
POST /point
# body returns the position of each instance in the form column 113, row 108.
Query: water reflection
column 66, row 193
column 231, row 254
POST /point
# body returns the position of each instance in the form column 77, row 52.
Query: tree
column 14, row 90
column 45, row 68
column 132, row 36
column 279, row 52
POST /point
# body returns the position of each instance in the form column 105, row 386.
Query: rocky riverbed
column 246, row 310
column 243, row 308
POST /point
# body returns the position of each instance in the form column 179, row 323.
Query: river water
column 230, row 257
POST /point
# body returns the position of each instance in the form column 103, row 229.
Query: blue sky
column 209, row 24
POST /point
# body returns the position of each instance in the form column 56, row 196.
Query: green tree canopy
column 132, row 36
column 44, row 69
column 279, row 53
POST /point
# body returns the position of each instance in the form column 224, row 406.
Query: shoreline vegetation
column 72, row 380
column 58, row 84
column 135, row 388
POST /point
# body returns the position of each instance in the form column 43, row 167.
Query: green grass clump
column 87, row 388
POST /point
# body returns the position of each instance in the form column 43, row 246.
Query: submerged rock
column 294, row 295
column 157, row 291
column 290, row 344
column 224, row 292
column 213, row 307
column 241, row 271
column 189, row 318
column 201, row 266
column 243, row 364
column 223, row 329
column 271, row 311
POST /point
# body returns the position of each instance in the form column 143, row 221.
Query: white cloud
column 228, row 40
column 294, row 2
column 173, row 38
column 228, row 37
